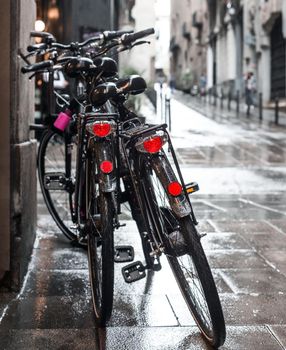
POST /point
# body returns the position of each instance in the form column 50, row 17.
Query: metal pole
column 260, row 106
column 237, row 101
column 168, row 112
column 222, row 96
column 277, row 110
column 214, row 94
column 112, row 17
column 229, row 101
column 162, row 101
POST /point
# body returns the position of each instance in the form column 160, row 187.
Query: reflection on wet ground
column 246, row 253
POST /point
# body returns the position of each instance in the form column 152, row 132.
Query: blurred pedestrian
column 203, row 85
column 249, row 90
column 172, row 83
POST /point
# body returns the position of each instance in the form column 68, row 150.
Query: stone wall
column 19, row 163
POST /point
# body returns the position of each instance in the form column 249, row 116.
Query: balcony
column 270, row 10
column 186, row 32
column 197, row 21
column 174, row 46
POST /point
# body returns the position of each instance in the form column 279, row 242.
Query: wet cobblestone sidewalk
column 242, row 207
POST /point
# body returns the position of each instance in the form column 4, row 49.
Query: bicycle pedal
column 202, row 235
column 134, row 272
column 192, row 187
column 123, row 253
column 55, row 181
column 117, row 226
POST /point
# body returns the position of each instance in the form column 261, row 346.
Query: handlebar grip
column 45, row 35
column 61, row 46
column 34, row 33
column 37, row 66
column 109, row 35
column 129, row 38
column 32, row 48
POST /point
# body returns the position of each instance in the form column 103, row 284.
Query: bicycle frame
column 101, row 149
column 181, row 205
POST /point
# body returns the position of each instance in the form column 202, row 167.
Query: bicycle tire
column 211, row 323
column 51, row 156
column 101, row 260
column 138, row 218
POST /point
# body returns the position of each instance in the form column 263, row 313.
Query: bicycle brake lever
column 129, row 47
column 24, row 58
column 141, row 43
column 32, row 76
column 123, row 48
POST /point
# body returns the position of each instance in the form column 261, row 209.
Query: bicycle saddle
column 105, row 65
column 77, row 65
column 134, row 84
column 102, row 93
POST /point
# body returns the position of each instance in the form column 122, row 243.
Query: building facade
column 226, row 40
column 162, row 27
column 140, row 60
column 73, row 20
column 188, row 44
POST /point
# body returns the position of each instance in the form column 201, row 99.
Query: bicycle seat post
column 51, row 96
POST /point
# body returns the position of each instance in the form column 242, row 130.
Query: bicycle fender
column 105, row 153
column 165, row 173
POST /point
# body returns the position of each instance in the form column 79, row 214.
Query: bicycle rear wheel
column 100, row 251
column 185, row 255
column 55, row 167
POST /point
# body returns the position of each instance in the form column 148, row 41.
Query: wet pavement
column 241, row 205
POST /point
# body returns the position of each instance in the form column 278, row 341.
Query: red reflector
column 153, row 145
column 106, row 167
column 101, row 129
column 175, row 189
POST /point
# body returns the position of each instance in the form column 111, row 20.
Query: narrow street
column 241, row 170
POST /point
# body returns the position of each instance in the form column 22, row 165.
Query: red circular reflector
column 153, row 145
column 175, row 189
column 106, row 167
column 101, row 129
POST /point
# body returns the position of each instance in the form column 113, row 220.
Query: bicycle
column 160, row 205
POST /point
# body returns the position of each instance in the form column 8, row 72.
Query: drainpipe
column 112, row 26
column 239, row 49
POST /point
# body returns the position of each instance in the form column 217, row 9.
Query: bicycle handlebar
column 110, row 35
column 36, row 47
column 37, row 66
column 127, row 39
column 44, row 35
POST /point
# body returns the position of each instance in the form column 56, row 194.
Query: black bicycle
column 113, row 144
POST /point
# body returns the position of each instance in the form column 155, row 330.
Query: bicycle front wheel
column 185, row 256
column 56, row 171
column 197, row 285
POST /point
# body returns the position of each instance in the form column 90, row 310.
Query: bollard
column 162, row 100
column 260, row 106
column 237, row 101
column 277, row 110
column 168, row 112
column 215, row 97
